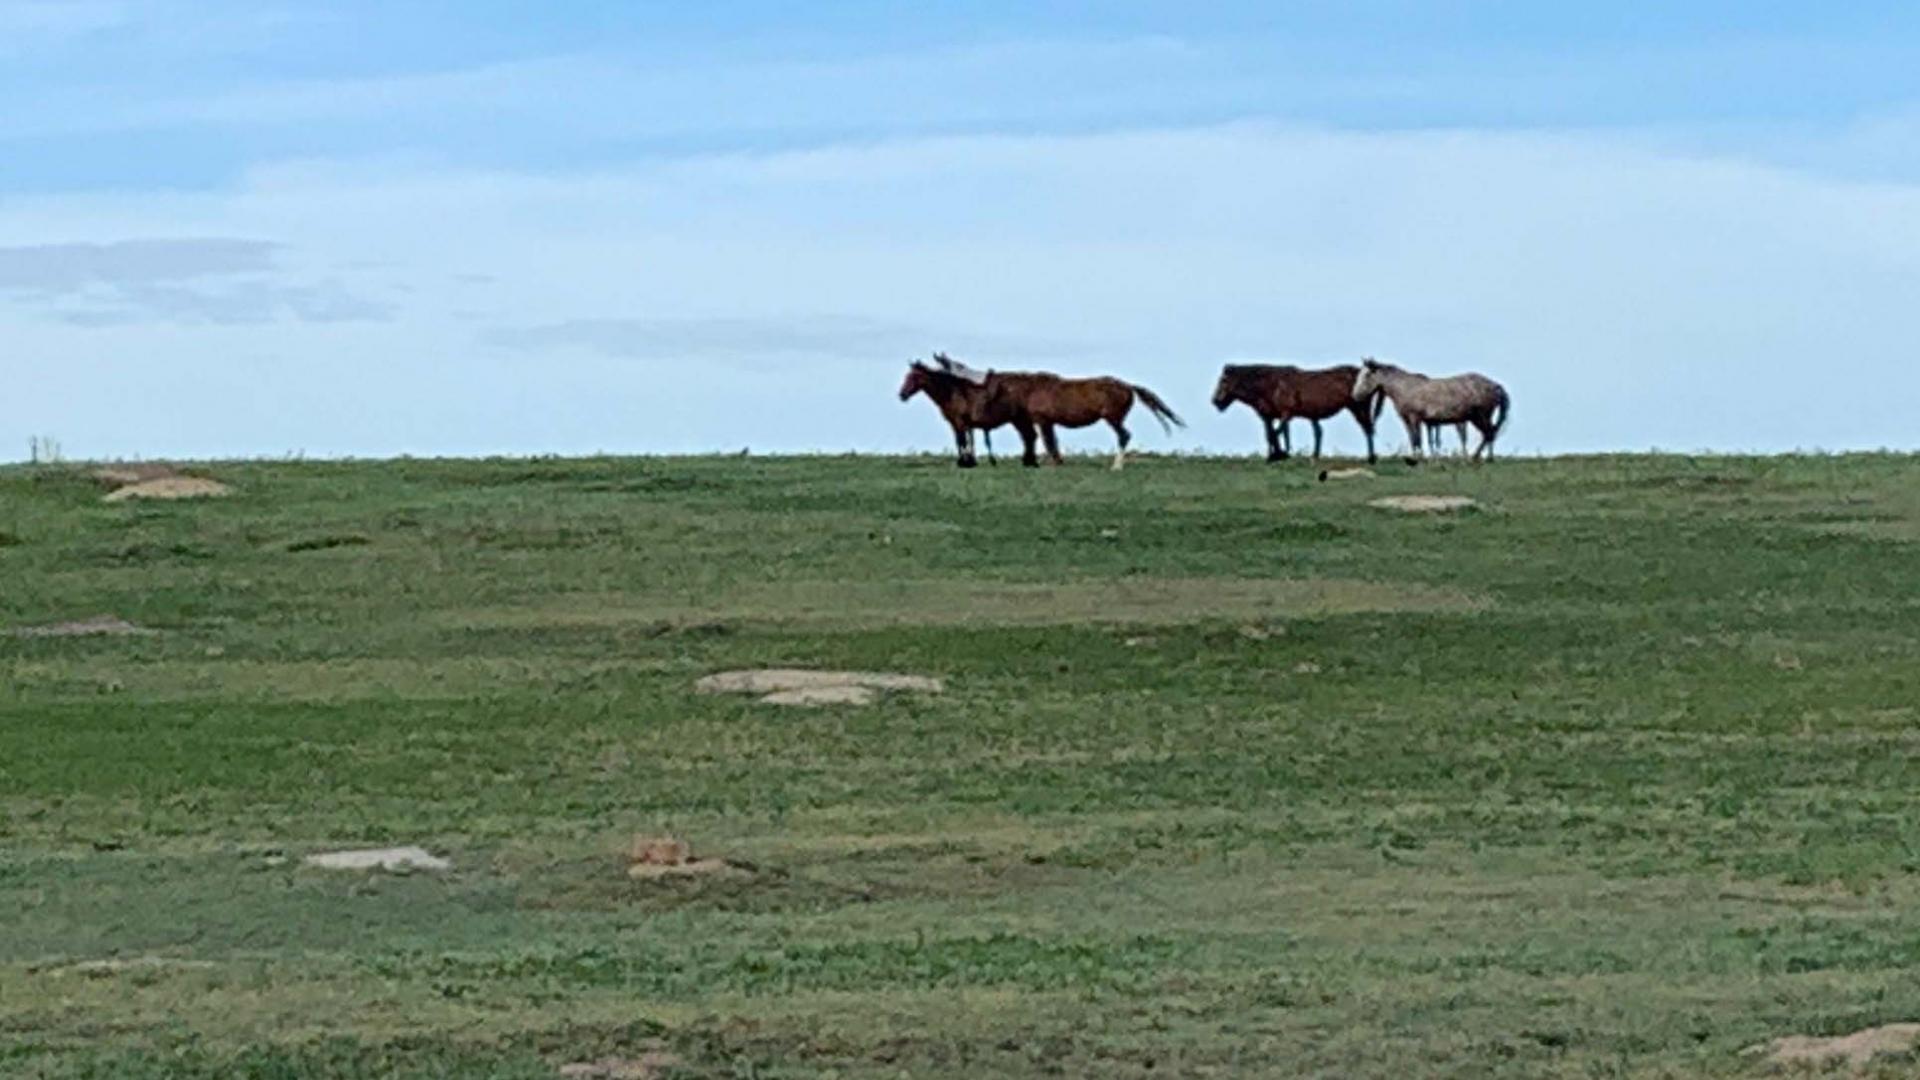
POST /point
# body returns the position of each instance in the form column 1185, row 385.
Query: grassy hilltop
column 1614, row 775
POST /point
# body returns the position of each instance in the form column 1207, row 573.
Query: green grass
column 1614, row 775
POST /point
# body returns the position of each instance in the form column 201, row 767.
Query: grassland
column 1234, row 775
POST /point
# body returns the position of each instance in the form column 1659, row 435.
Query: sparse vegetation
column 1232, row 774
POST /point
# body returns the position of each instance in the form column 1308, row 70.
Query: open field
column 1615, row 775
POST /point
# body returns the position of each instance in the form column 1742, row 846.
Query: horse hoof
column 967, row 463
column 1413, row 461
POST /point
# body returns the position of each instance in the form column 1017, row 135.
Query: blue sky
column 456, row 228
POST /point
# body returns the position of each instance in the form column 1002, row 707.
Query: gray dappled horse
column 1422, row 402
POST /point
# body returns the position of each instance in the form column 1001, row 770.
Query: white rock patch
column 396, row 858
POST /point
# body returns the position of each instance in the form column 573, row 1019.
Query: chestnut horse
column 1423, row 402
column 1278, row 393
column 1043, row 401
column 961, row 394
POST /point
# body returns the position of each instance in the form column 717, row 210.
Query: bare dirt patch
column 170, row 487
column 1346, row 474
column 1859, row 1048
column 99, row 626
column 1424, row 504
column 795, row 686
column 655, row 857
column 397, row 858
column 124, row 474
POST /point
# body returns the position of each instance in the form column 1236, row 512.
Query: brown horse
column 1042, row 401
column 1278, row 393
column 961, row 394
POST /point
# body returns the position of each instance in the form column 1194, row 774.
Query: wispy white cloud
column 64, row 267
column 203, row 279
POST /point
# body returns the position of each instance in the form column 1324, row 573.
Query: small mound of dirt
column 1346, row 474
column 170, row 487
column 399, row 858
column 100, row 626
column 690, row 868
column 1424, row 504
column 655, row 857
column 793, row 686
column 124, row 473
column 660, row 850
column 1859, row 1048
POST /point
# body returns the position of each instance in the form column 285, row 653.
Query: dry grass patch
column 1857, row 1049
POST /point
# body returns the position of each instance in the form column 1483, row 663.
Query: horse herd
column 1037, row 403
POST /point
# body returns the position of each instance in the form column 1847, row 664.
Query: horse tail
column 1157, row 407
column 1503, row 405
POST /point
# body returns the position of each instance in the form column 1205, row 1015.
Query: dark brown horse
column 961, row 394
column 1281, row 392
column 1041, row 402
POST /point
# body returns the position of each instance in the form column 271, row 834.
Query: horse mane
column 958, row 370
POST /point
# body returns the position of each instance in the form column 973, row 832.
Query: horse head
column 1226, row 390
column 919, row 377
column 1368, row 382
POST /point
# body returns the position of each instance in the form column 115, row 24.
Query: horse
column 1422, row 402
column 1278, row 393
column 1044, row 401
column 960, row 392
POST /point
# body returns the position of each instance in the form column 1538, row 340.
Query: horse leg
column 1120, row 453
column 1286, row 437
column 1048, row 433
column 1415, row 439
column 963, row 440
column 987, row 435
column 1316, row 439
column 1273, row 439
column 1366, row 424
column 1485, row 426
column 1027, row 457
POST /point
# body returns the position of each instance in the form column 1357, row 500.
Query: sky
column 240, row 229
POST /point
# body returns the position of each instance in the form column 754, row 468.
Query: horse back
column 1311, row 394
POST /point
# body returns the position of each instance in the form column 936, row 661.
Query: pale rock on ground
column 793, row 686
column 1423, row 504
column 396, row 858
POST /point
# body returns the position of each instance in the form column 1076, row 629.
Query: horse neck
column 1397, row 382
